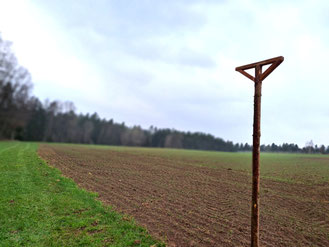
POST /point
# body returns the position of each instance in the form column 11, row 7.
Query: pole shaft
column 255, row 159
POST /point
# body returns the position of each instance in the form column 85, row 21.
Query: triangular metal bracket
column 275, row 62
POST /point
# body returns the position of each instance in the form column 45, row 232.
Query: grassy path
column 39, row 207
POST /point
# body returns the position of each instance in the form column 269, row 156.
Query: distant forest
column 24, row 117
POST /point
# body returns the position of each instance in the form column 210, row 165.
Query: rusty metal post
column 259, row 77
column 255, row 159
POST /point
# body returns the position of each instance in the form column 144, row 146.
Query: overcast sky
column 171, row 63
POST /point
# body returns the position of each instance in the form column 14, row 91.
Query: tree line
column 24, row 117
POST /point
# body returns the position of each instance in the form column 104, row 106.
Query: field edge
column 40, row 207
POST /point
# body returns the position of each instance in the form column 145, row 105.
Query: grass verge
column 39, row 207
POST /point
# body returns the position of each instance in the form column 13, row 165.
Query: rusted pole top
column 275, row 62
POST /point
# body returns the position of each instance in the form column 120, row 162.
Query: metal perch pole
column 259, row 77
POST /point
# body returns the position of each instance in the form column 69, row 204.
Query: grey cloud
column 126, row 19
column 157, row 52
column 133, row 78
column 128, row 26
column 192, row 58
column 147, row 17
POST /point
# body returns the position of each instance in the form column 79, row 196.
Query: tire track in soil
column 187, row 205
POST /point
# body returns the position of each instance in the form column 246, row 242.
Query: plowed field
column 187, row 199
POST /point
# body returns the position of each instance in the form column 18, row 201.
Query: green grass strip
column 39, row 207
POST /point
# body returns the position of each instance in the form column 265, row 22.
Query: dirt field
column 185, row 203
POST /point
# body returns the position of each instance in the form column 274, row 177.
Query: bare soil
column 186, row 205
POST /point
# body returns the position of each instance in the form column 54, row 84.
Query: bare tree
column 15, row 86
column 309, row 146
column 174, row 140
column 133, row 137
